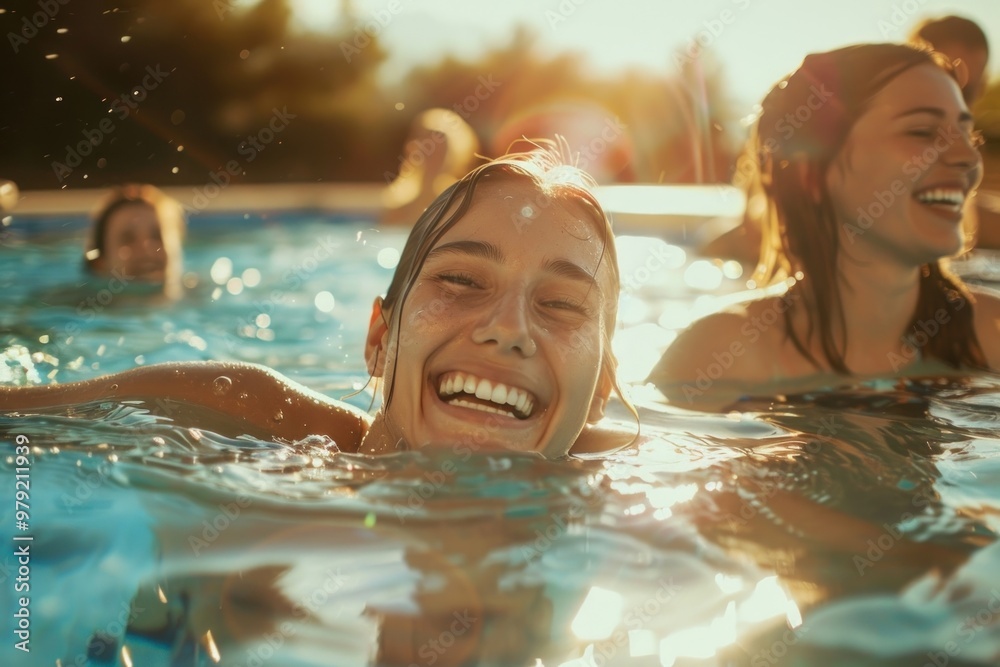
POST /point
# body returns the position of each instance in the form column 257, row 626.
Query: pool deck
column 361, row 198
column 676, row 211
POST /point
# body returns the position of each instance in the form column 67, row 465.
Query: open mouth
column 947, row 199
column 470, row 391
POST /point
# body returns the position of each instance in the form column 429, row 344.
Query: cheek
column 578, row 352
column 120, row 252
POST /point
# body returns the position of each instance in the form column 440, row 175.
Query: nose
column 507, row 324
column 150, row 246
column 963, row 155
column 964, row 152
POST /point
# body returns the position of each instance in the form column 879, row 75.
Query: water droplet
column 221, row 385
column 278, row 416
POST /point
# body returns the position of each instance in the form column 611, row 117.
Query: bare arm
column 263, row 402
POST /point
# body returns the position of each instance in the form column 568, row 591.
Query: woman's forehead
column 529, row 226
column 515, row 204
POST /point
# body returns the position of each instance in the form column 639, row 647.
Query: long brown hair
column 800, row 233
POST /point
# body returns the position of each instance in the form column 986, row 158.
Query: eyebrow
column 567, row 269
column 475, row 248
column 489, row 251
column 934, row 111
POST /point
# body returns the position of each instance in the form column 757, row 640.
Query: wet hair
column 168, row 211
column 549, row 171
column 800, row 231
column 950, row 30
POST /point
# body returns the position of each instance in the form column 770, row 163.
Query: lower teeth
column 476, row 406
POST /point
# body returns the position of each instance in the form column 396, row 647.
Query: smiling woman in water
column 138, row 235
column 495, row 333
column 864, row 206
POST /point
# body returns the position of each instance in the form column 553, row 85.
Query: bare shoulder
column 736, row 345
column 257, row 399
column 987, row 323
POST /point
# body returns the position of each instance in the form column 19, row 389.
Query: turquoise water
column 844, row 528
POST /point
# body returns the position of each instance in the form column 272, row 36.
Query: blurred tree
column 99, row 96
column 173, row 91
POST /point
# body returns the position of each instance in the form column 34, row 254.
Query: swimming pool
column 849, row 528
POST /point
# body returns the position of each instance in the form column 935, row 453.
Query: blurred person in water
column 486, row 336
column 863, row 206
column 439, row 150
column 964, row 43
column 8, row 196
column 137, row 235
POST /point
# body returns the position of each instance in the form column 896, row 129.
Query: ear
column 600, row 400
column 376, row 342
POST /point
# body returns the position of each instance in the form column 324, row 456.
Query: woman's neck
column 878, row 301
column 379, row 439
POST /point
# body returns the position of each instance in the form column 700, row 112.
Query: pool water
column 854, row 527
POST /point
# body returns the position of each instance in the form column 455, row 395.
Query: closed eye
column 463, row 279
column 567, row 304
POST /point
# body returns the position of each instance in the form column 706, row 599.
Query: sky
column 758, row 41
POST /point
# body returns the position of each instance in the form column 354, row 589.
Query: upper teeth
column 949, row 195
column 497, row 392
